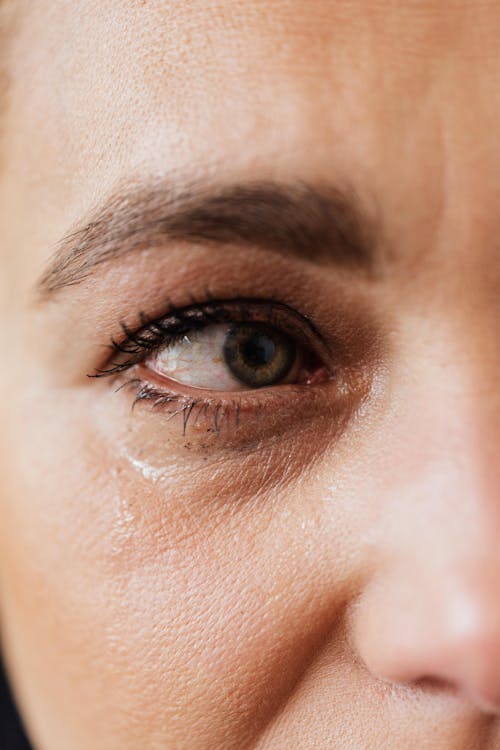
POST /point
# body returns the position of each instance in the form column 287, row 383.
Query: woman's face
column 274, row 521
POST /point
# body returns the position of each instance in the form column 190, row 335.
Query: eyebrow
column 322, row 224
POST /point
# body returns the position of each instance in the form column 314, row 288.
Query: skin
column 326, row 577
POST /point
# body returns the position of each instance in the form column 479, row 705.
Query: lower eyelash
column 215, row 411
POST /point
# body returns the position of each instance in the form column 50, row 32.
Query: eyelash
column 216, row 411
column 176, row 323
column 154, row 334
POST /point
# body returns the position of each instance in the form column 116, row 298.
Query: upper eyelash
column 175, row 323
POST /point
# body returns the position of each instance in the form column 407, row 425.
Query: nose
column 430, row 613
column 441, row 630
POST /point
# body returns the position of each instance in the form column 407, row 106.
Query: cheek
column 147, row 601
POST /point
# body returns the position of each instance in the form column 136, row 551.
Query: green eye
column 258, row 355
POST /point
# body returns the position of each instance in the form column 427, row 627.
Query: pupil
column 259, row 350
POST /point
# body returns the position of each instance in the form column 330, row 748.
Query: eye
column 233, row 361
column 206, row 363
column 225, row 346
column 231, row 358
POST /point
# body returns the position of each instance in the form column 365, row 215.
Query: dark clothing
column 12, row 736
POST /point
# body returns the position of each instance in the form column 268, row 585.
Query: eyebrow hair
column 316, row 223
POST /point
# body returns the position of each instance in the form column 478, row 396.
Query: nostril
column 485, row 697
column 436, row 685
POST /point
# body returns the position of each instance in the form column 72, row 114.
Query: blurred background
column 12, row 736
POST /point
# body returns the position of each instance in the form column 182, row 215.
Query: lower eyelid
column 243, row 419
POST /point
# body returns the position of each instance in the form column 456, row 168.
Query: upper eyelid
column 209, row 312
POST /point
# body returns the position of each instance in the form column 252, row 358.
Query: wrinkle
column 307, row 666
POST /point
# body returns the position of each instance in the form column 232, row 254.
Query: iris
column 259, row 355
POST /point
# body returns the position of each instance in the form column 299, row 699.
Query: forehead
column 377, row 93
column 242, row 63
